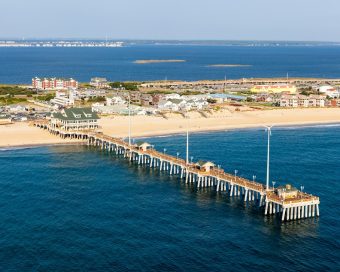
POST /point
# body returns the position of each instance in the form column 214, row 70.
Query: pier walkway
column 301, row 205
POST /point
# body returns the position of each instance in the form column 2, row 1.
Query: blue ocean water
column 74, row 208
column 19, row 65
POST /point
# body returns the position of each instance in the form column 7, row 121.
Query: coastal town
column 164, row 98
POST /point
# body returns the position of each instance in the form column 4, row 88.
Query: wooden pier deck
column 300, row 206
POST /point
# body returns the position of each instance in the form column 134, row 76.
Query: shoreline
column 236, row 128
column 36, row 145
column 172, row 133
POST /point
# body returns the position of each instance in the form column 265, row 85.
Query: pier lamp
column 273, row 182
column 254, row 177
column 219, row 167
column 164, row 150
column 177, row 155
column 236, row 171
column 302, row 188
column 191, row 158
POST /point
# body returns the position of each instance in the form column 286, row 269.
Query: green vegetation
column 159, row 92
column 97, row 99
column 307, row 91
column 46, row 97
column 8, row 100
column 129, row 86
column 211, row 101
column 191, row 93
column 15, row 90
column 85, row 85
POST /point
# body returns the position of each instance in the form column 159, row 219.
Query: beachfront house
column 168, row 105
column 75, row 119
column 5, row 119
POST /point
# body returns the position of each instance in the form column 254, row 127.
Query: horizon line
column 157, row 40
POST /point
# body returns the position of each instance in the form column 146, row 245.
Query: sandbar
column 158, row 61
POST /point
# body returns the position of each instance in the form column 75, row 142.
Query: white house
column 115, row 100
column 5, row 119
column 329, row 91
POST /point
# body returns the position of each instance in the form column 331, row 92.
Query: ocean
column 75, row 208
column 19, row 65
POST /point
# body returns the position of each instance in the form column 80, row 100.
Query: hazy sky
column 313, row 20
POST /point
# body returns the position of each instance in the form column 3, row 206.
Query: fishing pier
column 286, row 202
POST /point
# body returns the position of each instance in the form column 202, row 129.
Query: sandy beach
column 20, row 134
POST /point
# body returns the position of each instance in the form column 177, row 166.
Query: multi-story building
column 329, row 91
column 99, row 82
column 54, row 83
column 278, row 88
column 75, row 119
column 294, row 101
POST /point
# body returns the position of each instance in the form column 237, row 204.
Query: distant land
column 118, row 43
column 60, row 44
column 158, row 61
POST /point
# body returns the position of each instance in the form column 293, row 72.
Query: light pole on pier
column 273, row 182
column 254, row 177
column 164, row 150
column 187, row 149
column 236, row 171
column 268, row 129
column 177, row 155
column 191, row 158
column 129, row 109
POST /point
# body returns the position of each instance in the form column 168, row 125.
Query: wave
column 295, row 127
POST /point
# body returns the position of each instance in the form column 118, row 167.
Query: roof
column 287, row 188
column 76, row 114
column 205, row 163
column 143, row 143
column 176, row 101
column 4, row 116
column 231, row 96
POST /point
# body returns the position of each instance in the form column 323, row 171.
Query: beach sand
column 20, row 134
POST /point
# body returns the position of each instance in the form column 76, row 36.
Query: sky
column 293, row 20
